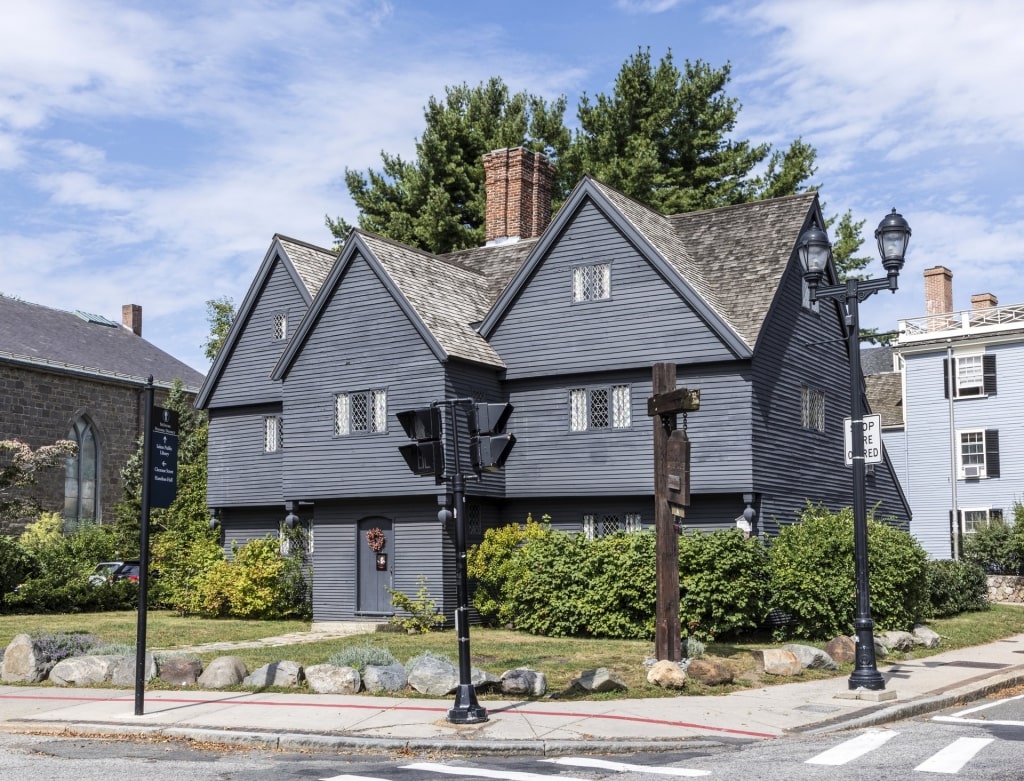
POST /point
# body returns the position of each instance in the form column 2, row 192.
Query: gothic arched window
column 81, row 475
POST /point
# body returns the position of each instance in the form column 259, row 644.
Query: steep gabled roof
column 86, row 345
column 307, row 264
column 441, row 298
column 885, row 397
column 497, row 263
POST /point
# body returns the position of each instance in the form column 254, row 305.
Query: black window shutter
column 988, row 368
column 992, row 452
column 945, row 375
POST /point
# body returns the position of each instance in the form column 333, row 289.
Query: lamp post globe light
column 815, row 250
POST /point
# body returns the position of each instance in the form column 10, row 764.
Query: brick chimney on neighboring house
column 984, row 301
column 938, row 291
column 518, row 189
column 131, row 318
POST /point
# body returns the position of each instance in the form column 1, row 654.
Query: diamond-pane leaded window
column 599, row 408
column 812, row 408
column 273, row 434
column 280, row 326
column 361, row 412
column 589, row 526
column 592, row 283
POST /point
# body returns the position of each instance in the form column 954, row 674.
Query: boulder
column 599, row 680
column 776, row 661
column 881, row 647
column 432, row 675
column 524, row 682
column 384, row 678
column 21, row 662
column 284, row 673
column 83, row 670
column 222, row 672
column 842, row 649
column 710, row 672
column 180, row 670
column 926, row 637
column 484, row 681
column 811, row 658
column 899, row 641
column 124, row 670
column 667, row 675
column 332, row 679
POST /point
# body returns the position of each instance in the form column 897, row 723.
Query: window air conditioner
column 972, row 471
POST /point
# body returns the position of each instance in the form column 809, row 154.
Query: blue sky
column 149, row 151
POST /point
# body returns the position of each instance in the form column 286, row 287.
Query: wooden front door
column 375, row 562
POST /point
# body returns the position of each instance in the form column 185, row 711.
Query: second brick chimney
column 938, row 291
column 984, row 301
column 131, row 318
column 518, row 189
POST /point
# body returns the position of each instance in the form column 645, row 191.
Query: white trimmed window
column 280, row 326
column 812, row 408
column 592, row 283
column 976, row 518
column 361, row 412
column 978, row 455
column 600, row 408
column 273, row 433
column 973, row 374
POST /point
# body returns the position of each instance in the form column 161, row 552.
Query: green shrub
column 995, row 548
column 723, row 583
column 421, row 614
column 813, row 579
column 16, row 566
column 495, row 565
column 359, row 657
column 955, row 587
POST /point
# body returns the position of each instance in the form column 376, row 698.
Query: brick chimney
column 938, row 291
column 984, row 301
column 131, row 318
column 518, row 190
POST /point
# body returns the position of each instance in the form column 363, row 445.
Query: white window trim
column 977, row 387
column 962, row 470
column 963, row 517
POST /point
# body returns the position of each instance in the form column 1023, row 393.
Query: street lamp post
column 892, row 234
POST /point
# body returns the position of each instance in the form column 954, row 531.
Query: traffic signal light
column 425, row 456
column 489, row 445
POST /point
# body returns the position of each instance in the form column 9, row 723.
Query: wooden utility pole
column 671, row 497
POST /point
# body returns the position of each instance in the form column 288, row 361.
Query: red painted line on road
column 511, row 709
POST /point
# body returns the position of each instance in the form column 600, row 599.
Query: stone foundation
column 1006, row 588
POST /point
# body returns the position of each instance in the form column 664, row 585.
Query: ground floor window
column 973, row 519
column 81, row 497
column 599, row 525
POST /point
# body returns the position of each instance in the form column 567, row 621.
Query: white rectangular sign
column 872, row 439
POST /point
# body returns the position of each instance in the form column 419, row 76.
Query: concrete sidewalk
column 320, row 722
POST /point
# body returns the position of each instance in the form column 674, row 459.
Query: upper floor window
column 273, row 433
column 81, row 478
column 360, row 412
column 972, row 375
column 978, row 455
column 280, row 326
column 599, row 408
column 592, row 283
column 812, row 408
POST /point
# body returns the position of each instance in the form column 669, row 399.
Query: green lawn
column 560, row 659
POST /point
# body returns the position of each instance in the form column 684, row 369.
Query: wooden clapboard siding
column 239, row 472
column 243, row 524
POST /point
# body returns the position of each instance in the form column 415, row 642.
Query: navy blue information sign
column 163, row 477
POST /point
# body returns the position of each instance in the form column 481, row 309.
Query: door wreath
column 375, row 539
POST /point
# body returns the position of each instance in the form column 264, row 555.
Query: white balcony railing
column 966, row 323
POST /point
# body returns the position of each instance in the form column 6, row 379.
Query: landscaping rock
column 811, row 658
column 284, row 673
column 385, row 678
column 431, row 675
column 926, row 637
column 710, row 672
column 222, row 672
column 899, row 641
column 21, row 662
column 842, row 649
column 523, row 682
column 599, row 680
column 483, row 680
column 667, row 675
column 180, row 670
column 332, row 679
column 124, row 670
column 776, row 661
column 83, row 670
column 882, row 648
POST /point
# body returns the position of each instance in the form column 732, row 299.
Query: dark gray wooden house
column 565, row 320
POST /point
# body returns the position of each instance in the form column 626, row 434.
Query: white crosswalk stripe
column 458, row 770
column 624, row 767
column 853, row 748
column 954, row 756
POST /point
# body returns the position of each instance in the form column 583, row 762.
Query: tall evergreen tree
column 436, row 202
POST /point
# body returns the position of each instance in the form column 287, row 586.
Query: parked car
column 129, row 570
column 103, row 571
